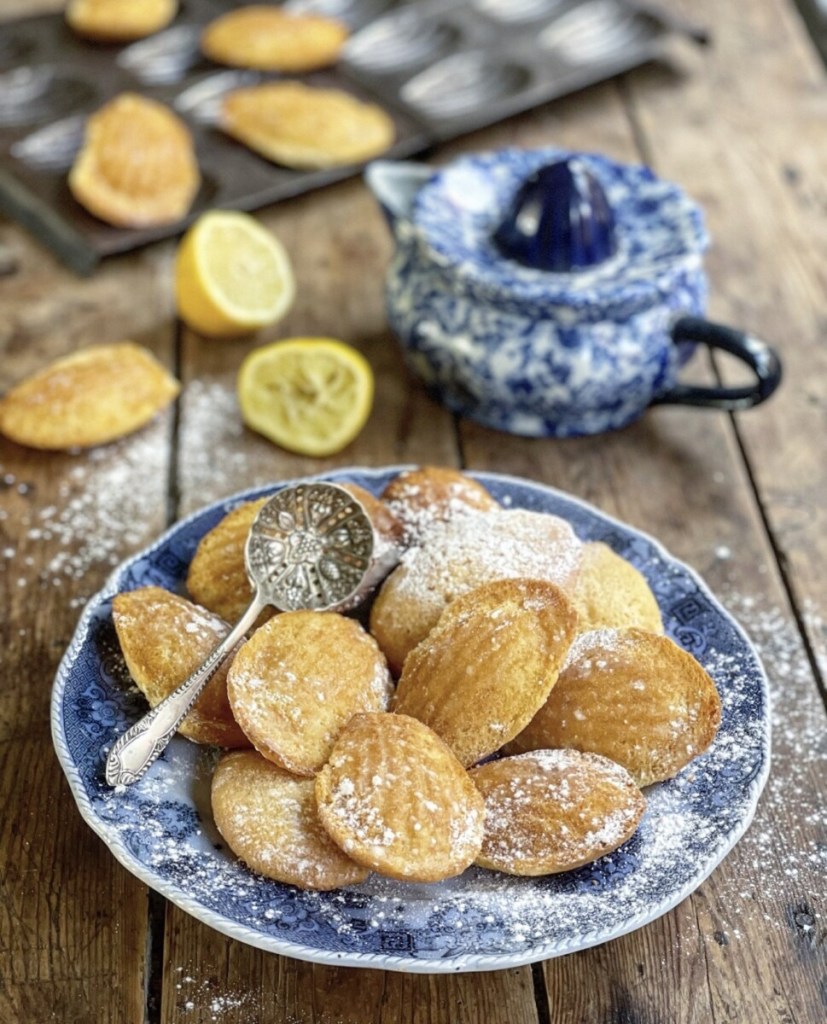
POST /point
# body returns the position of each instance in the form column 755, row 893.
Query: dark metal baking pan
column 439, row 67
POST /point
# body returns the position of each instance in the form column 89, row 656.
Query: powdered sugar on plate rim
column 160, row 830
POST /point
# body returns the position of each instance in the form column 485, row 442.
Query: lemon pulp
column 309, row 395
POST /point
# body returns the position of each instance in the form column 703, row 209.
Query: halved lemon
column 309, row 395
column 232, row 276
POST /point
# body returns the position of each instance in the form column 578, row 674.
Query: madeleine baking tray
column 439, row 67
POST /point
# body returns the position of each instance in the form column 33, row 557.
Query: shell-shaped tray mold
column 439, row 67
column 463, row 84
column 595, row 30
column 518, row 12
column 457, row 66
column 164, row 57
column 31, row 95
column 354, row 13
column 401, row 42
column 53, row 147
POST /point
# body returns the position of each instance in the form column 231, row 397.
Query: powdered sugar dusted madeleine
column 635, row 697
column 299, row 679
column 304, row 126
column 137, row 166
column 488, row 665
column 612, row 593
column 268, row 818
column 268, row 38
column 463, row 554
column 87, row 398
column 217, row 576
column 164, row 638
column 554, row 810
column 119, row 21
column 433, row 494
column 396, row 800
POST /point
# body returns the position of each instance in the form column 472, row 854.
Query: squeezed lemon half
column 232, row 276
column 309, row 395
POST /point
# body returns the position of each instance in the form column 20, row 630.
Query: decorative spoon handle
column 147, row 739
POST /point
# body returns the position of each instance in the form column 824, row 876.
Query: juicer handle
column 760, row 357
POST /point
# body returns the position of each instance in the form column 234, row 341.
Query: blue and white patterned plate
column 161, row 829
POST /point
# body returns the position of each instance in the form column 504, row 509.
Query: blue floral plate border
column 161, row 829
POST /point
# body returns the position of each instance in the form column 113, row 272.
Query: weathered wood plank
column 741, row 922
column 72, row 921
column 678, row 474
column 755, row 157
column 23, row 8
column 211, row 978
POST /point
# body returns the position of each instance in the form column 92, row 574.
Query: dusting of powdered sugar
column 103, row 503
column 607, row 640
column 209, row 437
column 418, row 516
column 481, row 547
column 200, row 997
column 781, row 862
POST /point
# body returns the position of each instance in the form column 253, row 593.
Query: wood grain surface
column 742, row 499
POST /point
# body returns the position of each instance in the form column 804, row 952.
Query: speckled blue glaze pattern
column 533, row 352
column 536, row 378
column 161, row 829
column 659, row 231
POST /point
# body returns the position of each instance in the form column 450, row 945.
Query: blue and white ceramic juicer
column 549, row 293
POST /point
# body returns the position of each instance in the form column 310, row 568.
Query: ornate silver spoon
column 310, row 547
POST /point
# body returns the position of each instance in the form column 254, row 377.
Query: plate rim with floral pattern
column 160, row 829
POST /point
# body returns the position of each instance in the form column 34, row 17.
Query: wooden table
column 743, row 499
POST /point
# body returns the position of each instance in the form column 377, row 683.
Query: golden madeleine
column 396, row 800
column 463, row 554
column 268, row 818
column 632, row 696
column 299, row 679
column 488, row 665
column 612, row 593
column 306, row 127
column 90, row 397
column 119, row 21
column 267, row 38
column 433, row 494
column 137, row 166
column 217, row 576
column 164, row 638
column 554, row 810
